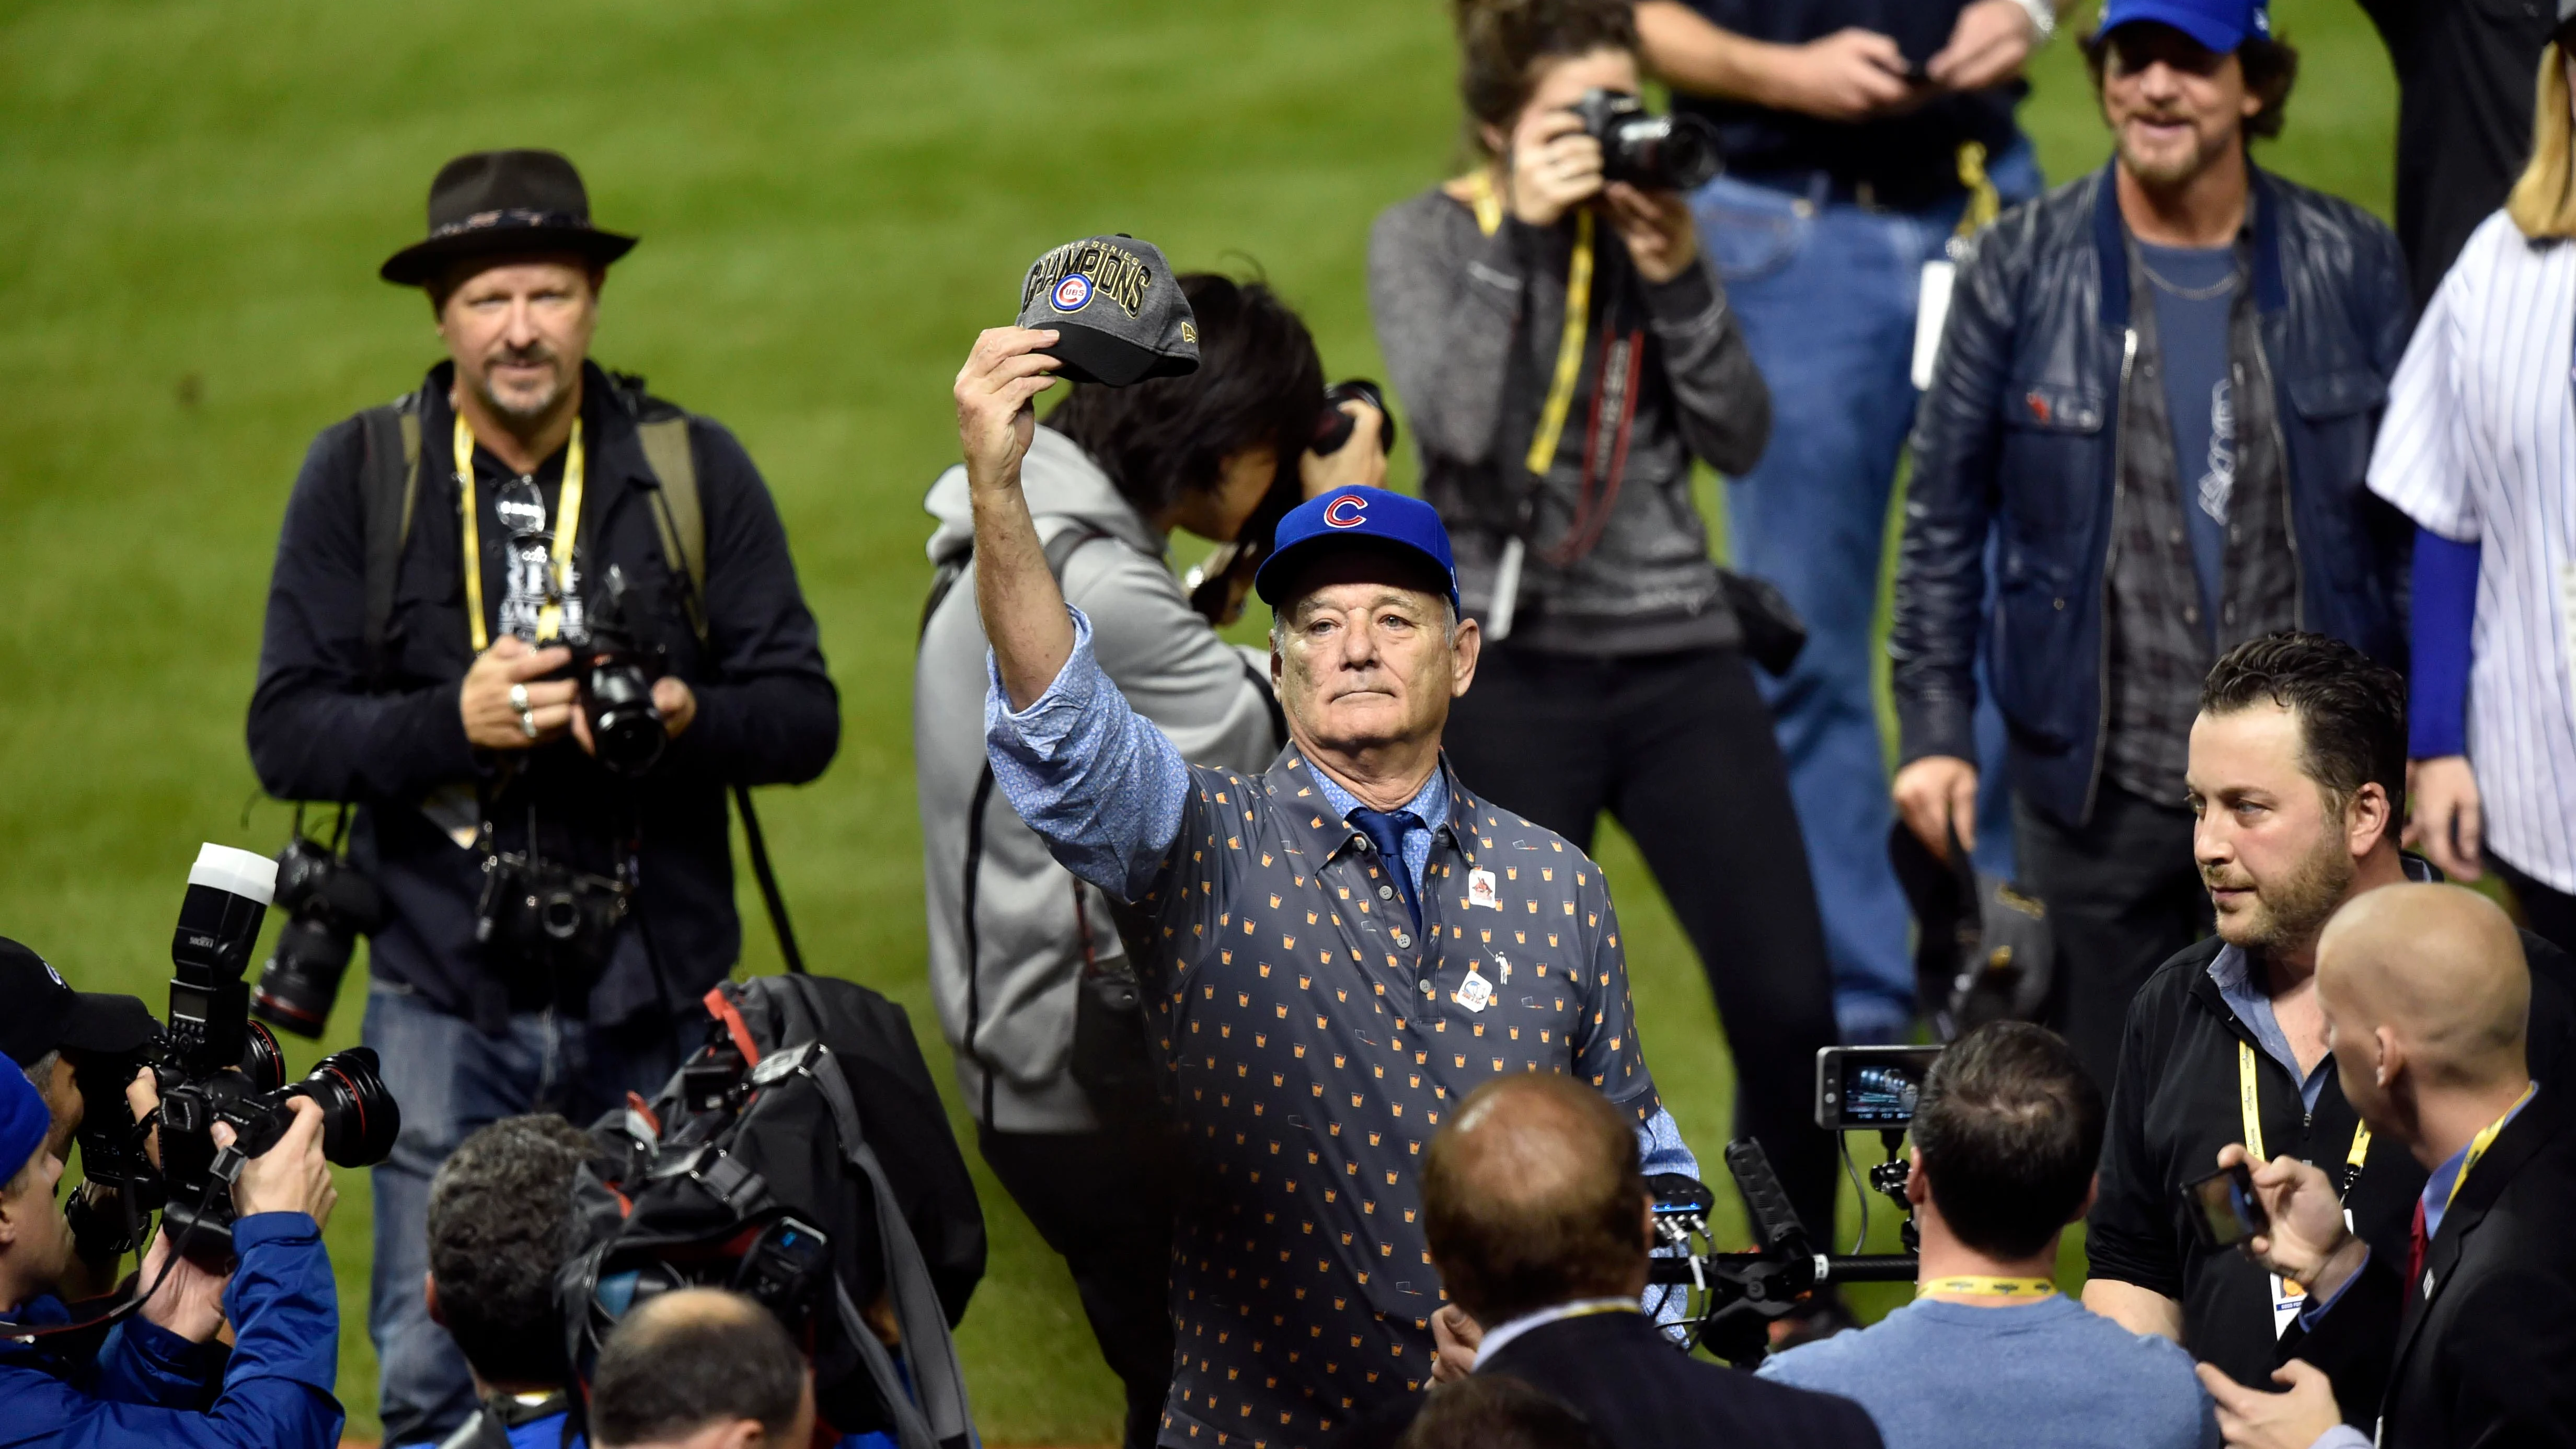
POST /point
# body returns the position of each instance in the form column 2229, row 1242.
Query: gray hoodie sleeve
column 1447, row 300
column 1719, row 397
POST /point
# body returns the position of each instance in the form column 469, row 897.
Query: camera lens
column 625, row 727
column 559, row 914
column 300, row 981
column 360, row 1119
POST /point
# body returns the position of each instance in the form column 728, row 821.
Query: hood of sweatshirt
column 1061, row 482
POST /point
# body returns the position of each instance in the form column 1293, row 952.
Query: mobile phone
column 1860, row 1087
column 2223, row 1208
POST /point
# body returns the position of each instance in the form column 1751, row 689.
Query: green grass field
column 833, row 199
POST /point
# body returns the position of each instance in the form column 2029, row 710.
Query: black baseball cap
column 1119, row 311
column 45, row 1014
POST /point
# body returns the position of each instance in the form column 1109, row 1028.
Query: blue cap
column 24, row 1121
column 1349, row 514
column 2221, row 25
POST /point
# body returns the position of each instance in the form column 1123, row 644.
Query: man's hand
column 1936, row 795
column 2447, row 820
column 491, row 711
column 1455, row 1337
column 1987, row 46
column 191, row 1303
column 1850, row 75
column 671, row 696
column 1359, row 462
column 291, row 1177
column 995, row 415
column 2252, row 1419
column 1656, row 228
column 2307, row 1242
column 1556, row 166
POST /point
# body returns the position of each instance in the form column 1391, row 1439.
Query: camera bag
column 810, row 1107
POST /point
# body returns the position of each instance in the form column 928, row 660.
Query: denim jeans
column 451, row 1079
column 1826, row 291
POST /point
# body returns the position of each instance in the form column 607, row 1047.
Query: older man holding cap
column 1334, row 952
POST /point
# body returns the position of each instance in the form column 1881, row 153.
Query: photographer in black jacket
column 442, row 702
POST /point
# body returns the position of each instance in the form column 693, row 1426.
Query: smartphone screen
column 2225, row 1211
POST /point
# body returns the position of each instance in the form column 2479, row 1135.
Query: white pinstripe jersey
column 2479, row 446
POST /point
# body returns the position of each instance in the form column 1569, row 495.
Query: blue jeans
column 451, row 1079
column 1826, row 292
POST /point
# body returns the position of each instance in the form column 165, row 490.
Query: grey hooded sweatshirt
column 1005, row 989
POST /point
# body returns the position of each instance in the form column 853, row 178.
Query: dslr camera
column 615, row 675
column 329, row 903
column 212, row 1064
column 1649, row 152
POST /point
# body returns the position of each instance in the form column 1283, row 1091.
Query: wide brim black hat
column 495, row 203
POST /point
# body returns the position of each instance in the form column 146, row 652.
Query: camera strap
column 567, row 513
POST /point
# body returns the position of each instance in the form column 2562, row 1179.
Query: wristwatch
column 2043, row 20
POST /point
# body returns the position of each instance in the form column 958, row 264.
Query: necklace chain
column 2210, row 293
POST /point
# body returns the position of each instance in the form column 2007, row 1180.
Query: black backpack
column 803, row 1157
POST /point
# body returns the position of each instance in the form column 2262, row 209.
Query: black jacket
column 2017, row 436
column 2489, row 1358
column 1642, row 1393
column 321, row 729
column 2174, row 1104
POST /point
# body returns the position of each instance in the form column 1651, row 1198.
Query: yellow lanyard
column 1984, row 202
column 1976, row 1287
column 2485, row 1139
column 1578, row 319
column 567, row 511
column 2250, row 1103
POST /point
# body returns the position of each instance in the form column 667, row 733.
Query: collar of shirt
column 2233, row 973
column 1496, row 1338
column 1430, row 805
column 2444, row 1183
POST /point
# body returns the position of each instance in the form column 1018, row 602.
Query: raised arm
column 1023, row 609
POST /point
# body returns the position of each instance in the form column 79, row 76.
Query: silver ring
column 519, row 698
column 527, row 724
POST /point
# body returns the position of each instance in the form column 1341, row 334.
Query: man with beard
column 449, row 563
column 2156, row 394
column 2296, row 779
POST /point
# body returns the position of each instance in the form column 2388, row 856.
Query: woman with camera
column 1564, row 352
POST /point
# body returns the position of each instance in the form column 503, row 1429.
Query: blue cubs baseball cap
column 24, row 1121
column 1371, row 517
column 2221, row 25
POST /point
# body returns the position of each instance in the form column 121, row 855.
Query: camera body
column 330, row 903
column 539, row 909
column 212, row 1063
column 1650, row 152
column 615, row 677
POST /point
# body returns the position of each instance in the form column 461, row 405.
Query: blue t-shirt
column 2044, row 1375
column 2195, row 290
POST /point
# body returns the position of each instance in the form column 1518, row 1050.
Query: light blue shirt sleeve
column 1092, row 777
column 1660, row 1149
column 2342, row 1436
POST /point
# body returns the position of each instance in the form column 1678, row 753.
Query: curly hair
column 500, row 1212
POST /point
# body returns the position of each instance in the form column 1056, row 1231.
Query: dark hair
column 2271, row 68
column 1259, row 385
column 2351, row 709
column 682, row 1361
column 2010, row 1129
column 1497, row 1411
column 500, row 1210
column 1501, row 44
column 1508, row 1241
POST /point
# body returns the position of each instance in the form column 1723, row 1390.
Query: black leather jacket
column 2018, row 436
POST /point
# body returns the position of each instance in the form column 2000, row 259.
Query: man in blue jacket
column 155, row 1379
column 2159, row 385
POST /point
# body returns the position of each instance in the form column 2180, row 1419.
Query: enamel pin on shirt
column 1480, row 890
column 1475, row 993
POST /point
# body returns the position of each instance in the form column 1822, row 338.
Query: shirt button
column 2191, row 613
column 1386, row 893
column 1402, row 939
column 1426, row 988
column 2228, row 613
column 2059, row 605
column 2175, row 536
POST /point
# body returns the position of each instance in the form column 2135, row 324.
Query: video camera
column 1739, row 1294
column 211, row 1063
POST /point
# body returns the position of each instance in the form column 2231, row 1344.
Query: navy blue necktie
column 1386, row 830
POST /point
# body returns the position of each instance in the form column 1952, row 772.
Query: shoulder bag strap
column 388, row 489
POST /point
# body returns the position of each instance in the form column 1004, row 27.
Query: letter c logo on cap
column 1348, row 511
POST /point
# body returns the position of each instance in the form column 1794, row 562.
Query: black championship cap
column 1122, row 315
column 496, row 202
column 44, row 1014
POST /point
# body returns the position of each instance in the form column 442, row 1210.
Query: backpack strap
column 388, row 490
column 682, row 521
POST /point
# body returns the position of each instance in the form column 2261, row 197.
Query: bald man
column 2426, row 997
column 1540, row 1224
column 701, row 1369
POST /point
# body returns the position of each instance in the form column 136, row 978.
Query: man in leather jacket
column 2158, row 387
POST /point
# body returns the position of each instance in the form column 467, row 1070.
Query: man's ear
column 1918, row 1187
column 748, row 1434
column 2368, row 818
column 429, row 1294
column 1463, row 653
column 2389, row 1057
